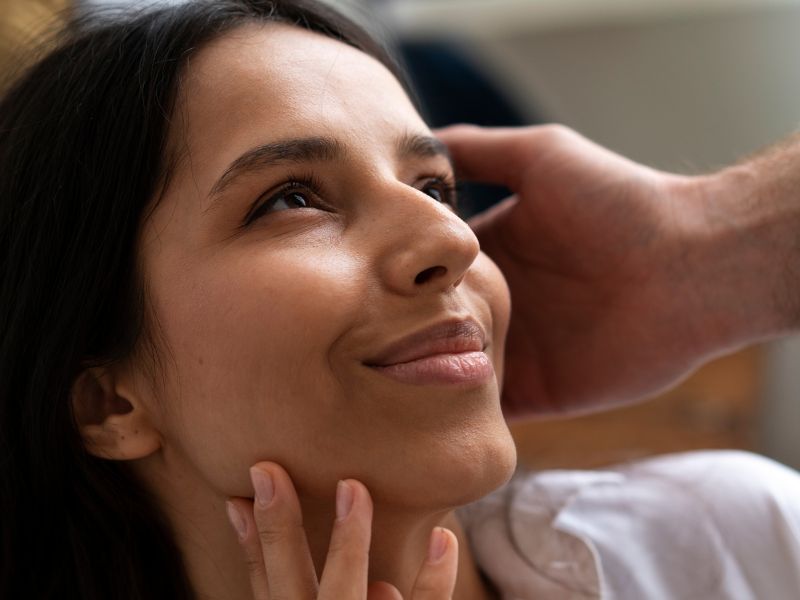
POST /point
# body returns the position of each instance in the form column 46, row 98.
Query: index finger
column 279, row 521
column 240, row 513
column 491, row 155
column 344, row 576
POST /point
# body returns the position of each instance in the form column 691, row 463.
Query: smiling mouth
column 449, row 352
column 472, row 367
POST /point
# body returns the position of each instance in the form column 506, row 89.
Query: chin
column 464, row 467
column 489, row 465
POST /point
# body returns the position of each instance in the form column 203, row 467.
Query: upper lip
column 452, row 336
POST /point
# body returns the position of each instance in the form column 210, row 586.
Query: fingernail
column 437, row 546
column 262, row 482
column 344, row 500
column 236, row 519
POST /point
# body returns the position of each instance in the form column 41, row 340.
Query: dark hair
column 82, row 155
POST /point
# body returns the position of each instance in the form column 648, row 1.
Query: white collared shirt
column 709, row 525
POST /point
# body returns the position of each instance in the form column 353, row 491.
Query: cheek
column 490, row 283
column 251, row 341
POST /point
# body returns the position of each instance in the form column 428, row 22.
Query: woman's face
column 303, row 234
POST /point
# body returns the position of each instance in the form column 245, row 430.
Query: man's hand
column 623, row 279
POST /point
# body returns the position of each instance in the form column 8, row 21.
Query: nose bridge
column 425, row 247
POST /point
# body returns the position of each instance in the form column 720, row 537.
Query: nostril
column 428, row 274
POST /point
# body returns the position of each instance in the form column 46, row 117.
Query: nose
column 427, row 248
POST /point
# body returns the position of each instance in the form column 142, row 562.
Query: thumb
column 498, row 155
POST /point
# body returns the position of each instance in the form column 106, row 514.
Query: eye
column 442, row 189
column 289, row 200
column 292, row 195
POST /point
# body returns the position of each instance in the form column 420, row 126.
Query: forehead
column 265, row 82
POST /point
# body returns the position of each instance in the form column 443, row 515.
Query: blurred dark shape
column 451, row 89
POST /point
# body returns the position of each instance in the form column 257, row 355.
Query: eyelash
column 449, row 188
column 309, row 183
column 446, row 183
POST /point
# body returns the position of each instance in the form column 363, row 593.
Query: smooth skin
column 273, row 277
column 623, row 278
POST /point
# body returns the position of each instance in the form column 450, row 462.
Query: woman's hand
column 271, row 531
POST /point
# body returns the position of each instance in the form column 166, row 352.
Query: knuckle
column 464, row 128
column 435, row 582
column 556, row 129
column 278, row 536
column 428, row 585
column 255, row 565
column 555, row 133
column 348, row 550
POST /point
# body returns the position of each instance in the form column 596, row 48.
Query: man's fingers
column 489, row 155
column 506, row 155
column 279, row 523
column 437, row 576
column 347, row 564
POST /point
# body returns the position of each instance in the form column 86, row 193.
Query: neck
column 399, row 547
column 216, row 566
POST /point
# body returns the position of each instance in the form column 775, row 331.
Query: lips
column 450, row 353
column 449, row 337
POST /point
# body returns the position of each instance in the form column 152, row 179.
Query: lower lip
column 463, row 368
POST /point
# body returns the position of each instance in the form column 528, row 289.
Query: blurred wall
column 781, row 420
column 22, row 23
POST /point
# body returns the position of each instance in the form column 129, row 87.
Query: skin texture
column 625, row 279
column 265, row 328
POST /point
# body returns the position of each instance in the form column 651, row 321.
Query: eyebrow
column 316, row 149
column 421, row 146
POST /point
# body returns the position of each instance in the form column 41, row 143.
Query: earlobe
column 111, row 419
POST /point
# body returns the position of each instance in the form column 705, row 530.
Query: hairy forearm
column 747, row 262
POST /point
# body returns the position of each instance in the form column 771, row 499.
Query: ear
column 111, row 417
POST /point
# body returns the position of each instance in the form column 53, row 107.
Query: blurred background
column 682, row 85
